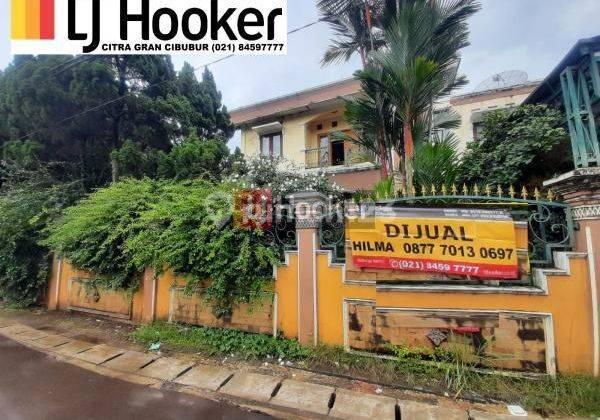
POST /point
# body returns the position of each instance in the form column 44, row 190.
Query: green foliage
column 215, row 341
column 436, row 163
column 283, row 177
column 148, row 103
column 92, row 234
column 119, row 231
column 182, row 231
column 383, row 190
column 518, row 146
column 27, row 206
column 191, row 158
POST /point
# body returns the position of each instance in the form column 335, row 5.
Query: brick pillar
column 309, row 208
column 581, row 189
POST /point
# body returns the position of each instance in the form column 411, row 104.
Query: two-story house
column 301, row 127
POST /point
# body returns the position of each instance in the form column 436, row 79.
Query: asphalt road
column 35, row 386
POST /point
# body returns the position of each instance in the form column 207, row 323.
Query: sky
column 529, row 35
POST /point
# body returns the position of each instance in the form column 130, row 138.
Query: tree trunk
column 409, row 151
column 383, row 161
column 363, row 58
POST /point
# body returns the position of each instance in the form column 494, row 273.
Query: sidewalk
column 276, row 394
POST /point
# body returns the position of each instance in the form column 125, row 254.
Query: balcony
column 337, row 157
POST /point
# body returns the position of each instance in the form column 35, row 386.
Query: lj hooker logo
column 149, row 26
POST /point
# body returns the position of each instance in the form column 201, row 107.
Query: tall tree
column 420, row 63
column 82, row 108
column 352, row 32
column 203, row 110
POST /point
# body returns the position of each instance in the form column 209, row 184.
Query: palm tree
column 437, row 163
column 352, row 34
column 419, row 63
column 373, row 123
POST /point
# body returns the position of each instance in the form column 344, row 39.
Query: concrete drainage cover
column 205, row 377
column 99, row 354
column 50, row 341
column 355, row 405
column 130, row 361
column 165, row 368
column 304, row 396
column 251, row 386
column 418, row 411
column 74, row 347
column 32, row 335
column 14, row 330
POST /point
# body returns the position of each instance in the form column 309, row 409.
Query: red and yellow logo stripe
column 32, row 19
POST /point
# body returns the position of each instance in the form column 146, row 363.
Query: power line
column 120, row 98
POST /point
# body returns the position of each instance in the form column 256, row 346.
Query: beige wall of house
column 300, row 132
column 472, row 107
column 304, row 117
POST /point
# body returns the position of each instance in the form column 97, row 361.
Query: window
column 271, row 145
column 477, row 131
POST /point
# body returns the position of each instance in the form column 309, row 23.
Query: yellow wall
column 299, row 133
column 286, row 288
column 568, row 301
column 465, row 111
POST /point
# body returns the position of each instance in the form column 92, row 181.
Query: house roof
column 314, row 98
column 551, row 84
column 484, row 95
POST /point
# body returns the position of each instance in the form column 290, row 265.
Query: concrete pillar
column 581, row 189
column 149, row 285
column 309, row 208
column 54, row 285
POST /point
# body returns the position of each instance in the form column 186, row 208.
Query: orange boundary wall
column 310, row 294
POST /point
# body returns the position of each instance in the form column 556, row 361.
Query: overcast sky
column 530, row 35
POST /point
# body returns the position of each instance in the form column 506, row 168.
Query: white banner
column 149, row 27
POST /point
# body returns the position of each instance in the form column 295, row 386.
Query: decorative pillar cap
column 309, row 208
column 306, row 197
column 581, row 189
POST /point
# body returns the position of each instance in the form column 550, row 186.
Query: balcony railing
column 321, row 158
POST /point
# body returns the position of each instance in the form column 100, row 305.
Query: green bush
column 120, row 230
column 191, row 158
column 436, row 163
column 26, row 208
column 92, row 234
column 185, row 231
column 524, row 145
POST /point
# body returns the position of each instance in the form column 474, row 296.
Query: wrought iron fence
column 282, row 233
column 550, row 223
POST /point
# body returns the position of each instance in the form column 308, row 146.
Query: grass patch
column 443, row 373
column 218, row 341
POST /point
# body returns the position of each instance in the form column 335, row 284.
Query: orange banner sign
column 474, row 242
